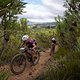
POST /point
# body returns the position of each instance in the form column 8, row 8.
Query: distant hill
column 51, row 24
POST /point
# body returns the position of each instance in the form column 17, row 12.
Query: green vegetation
column 65, row 66
column 4, row 75
column 43, row 36
column 8, row 24
column 66, row 62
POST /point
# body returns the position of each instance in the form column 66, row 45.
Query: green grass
column 4, row 75
column 64, row 66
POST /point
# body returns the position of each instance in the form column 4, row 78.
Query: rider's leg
column 52, row 50
column 33, row 54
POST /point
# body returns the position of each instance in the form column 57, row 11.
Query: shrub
column 4, row 75
column 66, row 67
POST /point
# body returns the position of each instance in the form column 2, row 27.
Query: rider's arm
column 34, row 46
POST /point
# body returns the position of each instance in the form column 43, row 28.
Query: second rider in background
column 53, row 45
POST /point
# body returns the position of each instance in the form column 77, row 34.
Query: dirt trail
column 31, row 71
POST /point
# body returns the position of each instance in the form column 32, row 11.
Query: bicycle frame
column 27, row 52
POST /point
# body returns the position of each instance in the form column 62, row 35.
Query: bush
column 43, row 37
column 66, row 67
column 4, row 75
column 11, row 50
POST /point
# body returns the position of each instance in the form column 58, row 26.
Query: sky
column 41, row 11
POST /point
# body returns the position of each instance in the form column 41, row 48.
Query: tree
column 9, row 10
column 73, row 8
column 68, row 28
column 23, row 22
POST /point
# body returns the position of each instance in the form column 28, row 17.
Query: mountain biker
column 53, row 44
column 29, row 43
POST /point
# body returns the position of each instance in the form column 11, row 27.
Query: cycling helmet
column 53, row 39
column 25, row 37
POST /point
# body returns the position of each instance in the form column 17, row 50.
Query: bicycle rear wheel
column 36, row 58
column 18, row 64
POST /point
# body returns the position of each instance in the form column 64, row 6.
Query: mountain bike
column 18, row 62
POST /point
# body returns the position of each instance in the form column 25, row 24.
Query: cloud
column 44, row 12
column 54, row 5
column 37, row 13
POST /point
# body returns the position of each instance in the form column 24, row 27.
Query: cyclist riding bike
column 28, row 52
column 29, row 43
column 53, row 45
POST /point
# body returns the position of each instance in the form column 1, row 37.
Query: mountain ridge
column 42, row 24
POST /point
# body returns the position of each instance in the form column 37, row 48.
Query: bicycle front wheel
column 18, row 64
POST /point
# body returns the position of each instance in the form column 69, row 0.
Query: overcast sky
column 43, row 10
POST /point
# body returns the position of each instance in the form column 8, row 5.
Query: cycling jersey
column 30, row 43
